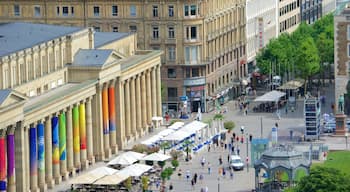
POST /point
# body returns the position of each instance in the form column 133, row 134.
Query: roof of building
column 4, row 93
column 91, row 57
column 19, row 36
column 103, row 38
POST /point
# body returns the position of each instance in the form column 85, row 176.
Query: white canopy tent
column 152, row 140
column 114, row 179
column 156, row 157
column 193, row 127
column 272, row 96
column 166, row 132
column 176, row 125
column 177, row 136
column 91, row 176
column 134, row 170
column 123, row 160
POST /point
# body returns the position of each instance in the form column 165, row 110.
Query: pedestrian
column 225, row 146
column 209, row 148
column 242, row 139
column 233, row 149
column 223, row 173
column 171, row 187
column 220, row 160
column 157, row 183
column 188, row 174
column 229, row 146
column 286, row 110
column 201, row 177
column 238, row 150
column 209, row 168
column 203, row 161
column 231, row 174
column 195, row 178
column 219, row 171
column 192, row 183
column 179, row 173
column 206, row 189
column 228, row 158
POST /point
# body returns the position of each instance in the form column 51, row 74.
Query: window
column 37, row 11
column 57, row 10
column 171, row 10
column 16, row 10
column 60, row 82
column 171, row 32
column 115, row 29
column 155, row 11
column 171, row 73
column 133, row 28
column 172, row 92
column 171, row 53
column 155, row 32
column 114, row 10
column 65, row 11
column 53, row 84
column 191, row 54
column 188, row 72
column 191, row 33
column 190, row 10
column 72, row 10
column 97, row 29
column 96, row 11
column 132, row 10
column 195, row 72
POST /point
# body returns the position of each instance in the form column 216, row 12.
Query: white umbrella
column 156, row 157
column 134, row 170
column 111, row 179
column 134, row 154
column 166, row 132
column 122, row 160
column 177, row 125
column 92, row 176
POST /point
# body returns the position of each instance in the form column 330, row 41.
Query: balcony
column 194, row 63
column 194, row 81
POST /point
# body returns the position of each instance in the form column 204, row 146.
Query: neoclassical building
column 70, row 96
column 204, row 41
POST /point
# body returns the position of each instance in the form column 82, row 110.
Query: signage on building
column 198, row 88
column 261, row 32
column 194, row 81
column 183, row 98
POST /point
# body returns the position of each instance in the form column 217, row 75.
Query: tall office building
column 289, row 15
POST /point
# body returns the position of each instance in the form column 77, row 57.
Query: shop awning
column 272, row 96
column 291, row 85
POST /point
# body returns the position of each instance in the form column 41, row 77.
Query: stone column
column 112, row 116
column 82, row 133
column 127, row 109
column 69, row 132
column 56, row 150
column 33, row 159
column 133, row 107
column 3, row 168
column 11, row 175
column 149, row 98
column 48, row 153
column 154, row 93
column 21, row 136
column 90, row 152
column 62, row 145
column 41, row 155
column 159, row 93
column 76, row 137
column 105, row 120
column 98, row 124
column 144, row 101
column 138, row 104
column 121, row 114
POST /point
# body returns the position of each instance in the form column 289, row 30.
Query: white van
column 236, row 162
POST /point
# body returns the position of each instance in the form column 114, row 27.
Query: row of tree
column 308, row 51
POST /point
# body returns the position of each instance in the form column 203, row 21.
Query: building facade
column 289, row 15
column 310, row 10
column 261, row 26
column 328, row 6
column 203, row 41
column 70, row 96
column 341, row 51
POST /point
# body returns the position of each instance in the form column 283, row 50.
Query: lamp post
column 219, row 183
column 247, row 141
column 346, row 140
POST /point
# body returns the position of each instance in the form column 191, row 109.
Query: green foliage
column 338, row 160
column 175, row 163
column 165, row 145
column 218, row 117
column 161, row 163
column 166, row 173
column 144, row 181
column 174, row 121
column 127, row 183
column 229, row 125
column 140, row 148
column 175, row 154
column 322, row 179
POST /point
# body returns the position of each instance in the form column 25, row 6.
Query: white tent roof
column 176, row 125
column 177, row 136
column 272, row 96
column 134, row 154
column 123, row 160
column 134, row 170
column 193, row 127
column 92, row 176
column 152, row 140
column 166, row 132
column 111, row 179
column 156, row 157
column 155, row 118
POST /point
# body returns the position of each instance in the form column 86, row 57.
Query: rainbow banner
column 2, row 164
column 55, row 141
column 11, row 155
column 111, row 103
column 62, row 136
column 105, row 111
column 41, row 147
column 76, row 136
column 82, row 126
column 32, row 150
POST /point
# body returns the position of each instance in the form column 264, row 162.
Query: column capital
column 47, row 118
column 111, row 83
column 11, row 130
column 3, row 132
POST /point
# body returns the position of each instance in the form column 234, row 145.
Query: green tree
column 322, row 179
column 229, row 125
column 325, row 46
column 165, row 145
column 307, row 60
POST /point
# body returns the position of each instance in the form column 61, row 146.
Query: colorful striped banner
column 41, row 147
column 105, row 111
column 11, row 155
column 82, row 126
column 111, row 103
column 2, row 164
column 32, row 150
column 55, row 141
column 62, row 136
column 76, row 136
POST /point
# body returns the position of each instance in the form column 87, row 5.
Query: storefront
column 195, row 91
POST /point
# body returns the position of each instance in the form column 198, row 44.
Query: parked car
column 236, row 162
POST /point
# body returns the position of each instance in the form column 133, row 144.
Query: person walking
column 201, row 177
column 223, row 173
column 203, row 161
column 195, row 178
column 179, row 173
column 231, row 174
column 192, row 183
column 209, row 168
column 171, row 187
column 188, row 175
column 220, row 160
column 238, row 150
column 206, row 189
column 228, row 158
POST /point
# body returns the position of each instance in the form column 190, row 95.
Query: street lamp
column 346, row 140
column 219, row 183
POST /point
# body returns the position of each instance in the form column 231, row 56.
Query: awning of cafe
column 272, row 96
column 291, row 85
